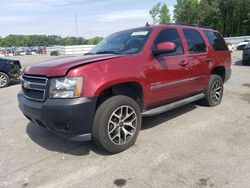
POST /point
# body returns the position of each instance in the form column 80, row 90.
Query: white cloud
column 138, row 14
column 13, row 18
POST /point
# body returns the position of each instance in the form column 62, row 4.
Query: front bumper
column 68, row 118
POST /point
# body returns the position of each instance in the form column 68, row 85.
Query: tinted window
column 170, row 35
column 194, row 41
column 216, row 41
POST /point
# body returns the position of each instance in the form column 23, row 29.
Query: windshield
column 125, row 42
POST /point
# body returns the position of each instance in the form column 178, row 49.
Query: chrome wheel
column 3, row 80
column 216, row 92
column 122, row 125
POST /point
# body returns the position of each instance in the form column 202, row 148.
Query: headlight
column 66, row 87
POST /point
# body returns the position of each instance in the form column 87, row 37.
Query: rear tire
column 117, row 124
column 213, row 92
column 4, row 80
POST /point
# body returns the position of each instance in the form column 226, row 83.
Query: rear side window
column 216, row 41
column 194, row 41
column 170, row 35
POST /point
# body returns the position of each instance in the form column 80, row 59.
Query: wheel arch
column 131, row 89
column 220, row 71
column 2, row 71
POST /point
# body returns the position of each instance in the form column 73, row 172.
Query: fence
column 70, row 50
column 236, row 40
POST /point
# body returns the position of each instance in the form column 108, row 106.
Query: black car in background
column 10, row 69
column 246, row 55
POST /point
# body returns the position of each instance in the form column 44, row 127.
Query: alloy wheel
column 3, row 80
column 122, row 125
column 216, row 92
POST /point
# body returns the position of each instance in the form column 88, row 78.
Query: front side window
column 125, row 42
column 169, row 35
column 216, row 40
column 194, row 41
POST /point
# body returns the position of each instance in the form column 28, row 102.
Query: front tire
column 214, row 91
column 4, row 80
column 117, row 124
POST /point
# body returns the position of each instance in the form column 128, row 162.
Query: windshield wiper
column 108, row 52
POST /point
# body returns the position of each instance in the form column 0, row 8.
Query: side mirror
column 164, row 48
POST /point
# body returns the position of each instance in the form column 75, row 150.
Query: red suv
column 138, row 72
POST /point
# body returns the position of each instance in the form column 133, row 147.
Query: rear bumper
column 68, row 118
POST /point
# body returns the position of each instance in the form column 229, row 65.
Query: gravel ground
column 192, row 146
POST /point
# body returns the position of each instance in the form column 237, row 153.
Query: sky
column 57, row 17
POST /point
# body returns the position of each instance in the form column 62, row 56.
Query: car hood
column 60, row 66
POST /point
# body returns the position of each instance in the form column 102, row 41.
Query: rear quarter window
column 216, row 41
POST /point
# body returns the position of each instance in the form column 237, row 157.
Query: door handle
column 208, row 59
column 183, row 63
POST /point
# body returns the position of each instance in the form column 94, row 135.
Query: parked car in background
column 10, row 69
column 42, row 50
column 1, row 52
column 242, row 45
column 20, row 51
column 138, row 72
column 55, row 53
column 246, row 55
column 28, row 51
column 231, row 47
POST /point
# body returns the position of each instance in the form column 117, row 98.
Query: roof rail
column 195, row 25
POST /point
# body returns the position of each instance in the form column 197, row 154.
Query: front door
column 168, row 75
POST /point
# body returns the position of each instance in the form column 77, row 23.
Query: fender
column 111, row 83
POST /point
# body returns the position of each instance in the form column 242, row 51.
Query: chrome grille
column 34, row 88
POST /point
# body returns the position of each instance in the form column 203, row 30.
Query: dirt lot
column 191, row 146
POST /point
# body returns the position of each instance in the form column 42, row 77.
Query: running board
column 172, row 105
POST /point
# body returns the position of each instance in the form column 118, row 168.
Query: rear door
column 198, row 57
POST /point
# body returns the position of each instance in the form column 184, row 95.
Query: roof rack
column 195, row 25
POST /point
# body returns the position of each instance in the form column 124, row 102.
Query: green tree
column 187, row 11
column 230, row 17
column 44, row 40
column 164, row 15
column 95, row 40
column 155, row 13
column 209, row 13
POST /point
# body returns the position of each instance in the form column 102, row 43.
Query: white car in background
column 242, row 44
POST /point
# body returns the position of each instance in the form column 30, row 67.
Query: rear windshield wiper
column 108, row 52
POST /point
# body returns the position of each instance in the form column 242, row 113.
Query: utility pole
column 76, row 24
